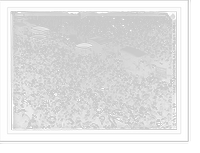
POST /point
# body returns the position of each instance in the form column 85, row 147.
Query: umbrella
column 39, row 36
column 84, row 45
column 40, row 28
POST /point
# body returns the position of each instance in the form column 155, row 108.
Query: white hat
column 26, row 101
column 52, row 117
column 99, row 110
column 46, row 102
column 102, row 88
column 158, row 123
column 95, row 95
column 85, row 127
column 80, row 99
column 136, row 120
column 118, row 119
column 83, row 93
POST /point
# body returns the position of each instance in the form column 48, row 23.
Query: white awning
column 40, row 28
column 84, row 45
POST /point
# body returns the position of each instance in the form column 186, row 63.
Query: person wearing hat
column 107, row 119
column 78, row 124
column 29, row 127
column 27, row 106
column 94, row 126
column 24, row 119
column 39, row 114
column 158, row 123
column 16, row 119
column 95, row 118
column 102, row 119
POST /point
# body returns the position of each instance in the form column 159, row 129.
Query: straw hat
column 158, row 123
column 52, row 119
column 102, row 88
column 25, row 101
column 136, row 120
column 98, row 110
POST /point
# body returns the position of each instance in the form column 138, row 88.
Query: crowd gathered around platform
column 55, row 88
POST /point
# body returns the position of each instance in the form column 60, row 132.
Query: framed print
column 94, row 71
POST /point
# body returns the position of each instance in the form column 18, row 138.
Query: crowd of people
column 56, row 88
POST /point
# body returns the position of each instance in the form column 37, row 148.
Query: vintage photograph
column 92, row 70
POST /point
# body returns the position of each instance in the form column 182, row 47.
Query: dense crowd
column 55, row 88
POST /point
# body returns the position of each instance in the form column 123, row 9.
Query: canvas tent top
column 100, row 40
column 133, row 51
column 34, row 22
column 84, row 45
column 39, row 36
column 40, row 28
column 20, row 24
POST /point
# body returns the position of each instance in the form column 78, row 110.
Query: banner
column 161, row 72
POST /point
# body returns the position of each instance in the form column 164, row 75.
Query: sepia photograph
column 94, row 70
